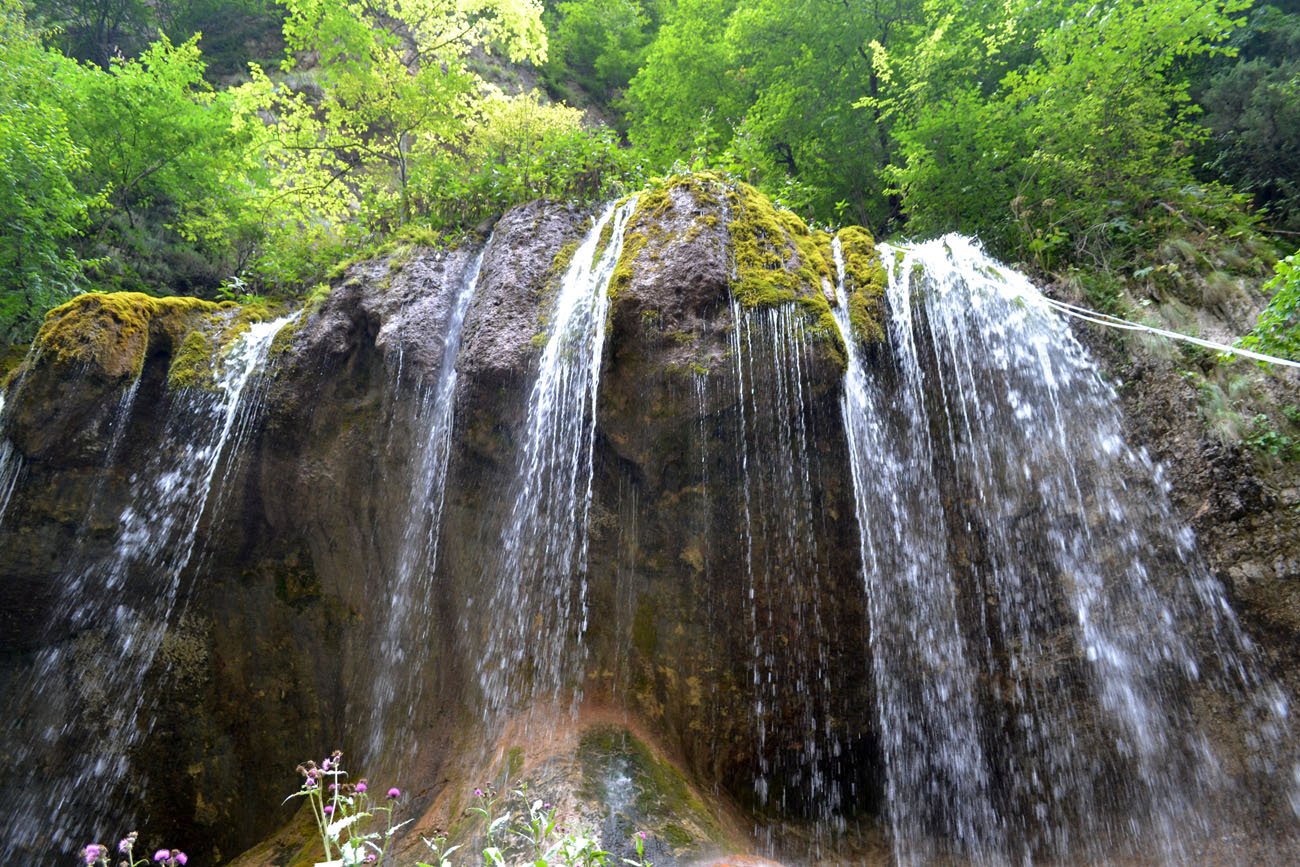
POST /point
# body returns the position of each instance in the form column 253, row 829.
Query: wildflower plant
column 345, row 812
column 99, row 855
column 527, row 830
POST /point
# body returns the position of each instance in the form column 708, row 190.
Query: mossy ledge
column 777, row 258
column 114, row 332
column 865, row 282
column 193, row 360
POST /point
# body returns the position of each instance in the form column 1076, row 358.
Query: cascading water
column 539, row 595
column 938, row 781
column 1039, row 618
column 76, row 716
column 789, row 679
column 10, row 463
column 407, row 632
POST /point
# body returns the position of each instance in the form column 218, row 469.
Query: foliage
column 163, row 152
column 598, row 45
column 1252, row 111
column 523, row 829
column 527, row 830
column 98, row 854
column 522, row 149
column 96, row 31
column 1278, row 330
column 42, row 209
column 1071, row 150
column 343, row 812
column 685, row 98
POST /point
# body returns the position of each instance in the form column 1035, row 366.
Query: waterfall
column 407, row 638
column 81, row 709
column 538, row 600
column 1039, row 617
column 11, row 463
column 789, row 679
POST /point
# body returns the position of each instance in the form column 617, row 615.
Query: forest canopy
column 228, row 147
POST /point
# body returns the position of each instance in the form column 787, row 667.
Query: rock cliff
column 726, row 675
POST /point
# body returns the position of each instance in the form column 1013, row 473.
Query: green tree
column 1278, row 330
column 390, row 88
column 41, row 208
column 1069, row 151
column 768, row 90
column 162, row 150
column 597, row 45
column 96, row 31
column 687, row 97
column 1252, row 109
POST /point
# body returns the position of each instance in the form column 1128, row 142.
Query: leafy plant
column 344, row 812
column 98, row 854
column 1277, row 332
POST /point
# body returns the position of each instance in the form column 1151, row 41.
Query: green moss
column 114, row 331
column 634, row 241
column 664, row 803
column 191, row 365
column 646, row 224
column 865, row 282
column 10, row 358
column 514, row 763
column 193, row 361
column 779, row 261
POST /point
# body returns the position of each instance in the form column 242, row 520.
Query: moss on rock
column 865, row 282
column 779, row 261
column 114, row 331
column 662, row 801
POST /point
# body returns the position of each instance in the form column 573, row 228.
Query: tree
column 41, row 207
column 391, row 88
column 597, row 45
column 1252, row 110
column 1078, row 144
column 162, row 150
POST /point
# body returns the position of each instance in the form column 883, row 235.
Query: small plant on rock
column 527, row 830
column 344, row 812
column 99, row 855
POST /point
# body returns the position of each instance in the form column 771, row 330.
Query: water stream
column 407, row 633
column 538, row 601
column 790, row 681
column 74, row 719
column 11, row 463
column 1039, row 618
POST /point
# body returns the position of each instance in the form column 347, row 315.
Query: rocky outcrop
column 726, row 680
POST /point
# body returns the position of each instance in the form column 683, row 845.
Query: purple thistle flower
column 641, row 834
column 361, row 787
column 478, row 793
column 394, row 793
column 162, row 855
column 179, row 857
column 91, row 853
column 329, row 809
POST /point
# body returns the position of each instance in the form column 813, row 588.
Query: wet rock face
column 725, row 621
column 1241, row 505
column 278, row 649
column 688, row 479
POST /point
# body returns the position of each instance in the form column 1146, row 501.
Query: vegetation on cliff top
column 1093, row 143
